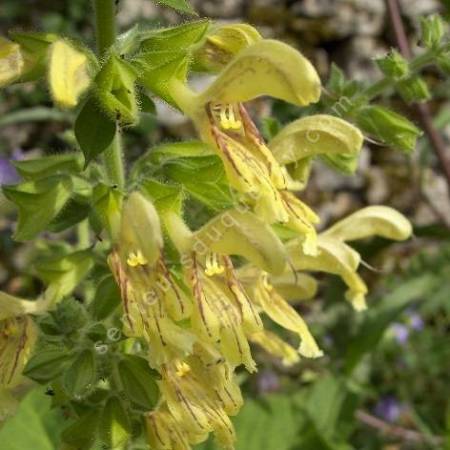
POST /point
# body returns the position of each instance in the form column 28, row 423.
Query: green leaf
column 80, row 377
column 138, row 381
column 106, row 300
column 35, row 425
column 74, row 212
column 39, row 202
column 47, row 363
column 34, row 169
column 179, row 5
column 64, row 273
column 94, row 130
column 115, row 427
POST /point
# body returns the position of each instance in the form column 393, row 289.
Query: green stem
column 83, row 234
column 105, row 24
column 105, row 32
column 416, row 64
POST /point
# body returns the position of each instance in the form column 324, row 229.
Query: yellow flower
column 264, row 68
column 223, row 315
column 68, row 73
column 195, row 405
column 153, row 301
column 332, row 138
column 335, row 256
column 17, row 339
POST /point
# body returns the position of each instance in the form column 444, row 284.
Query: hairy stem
column 105, row 32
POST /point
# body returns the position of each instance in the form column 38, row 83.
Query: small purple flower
column 268, row 381
column 416, row 321
column 400, row 332
column 8, row 174
column 388, row 408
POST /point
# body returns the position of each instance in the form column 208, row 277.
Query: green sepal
column 157, row 68
column 345, row 163
column 47, row 364
column 39, row 202
column 115, row 426
column 391, row 128
column 204, row 179
column 82, row 433
column 165, row 196
column 175, row 38
column 80, row 377
column 34, row 48
column 158, row 156
column 35, row 169
column 115, row 87
column 106, row 300
column 138, row 381
column 182, row 6
column 107, row 207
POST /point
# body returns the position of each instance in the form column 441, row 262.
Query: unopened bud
column 141, row 238
column 432, row 30
column 389, row 127
column 393, row 65
column 222, row 44
column 11, row 62
column 413, row 89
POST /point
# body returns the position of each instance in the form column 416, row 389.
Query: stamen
column 227, row 116
column 136, row 259
column 212, row 265
column 182, row 369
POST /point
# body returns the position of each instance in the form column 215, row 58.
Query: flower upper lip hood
column 335, row 256
column 267, row 67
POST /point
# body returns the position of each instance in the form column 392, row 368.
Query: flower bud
column 222, row 44
column 68, row 73
column 138, row 381
column 11, row 62
column 393, row 65
column 391, row 128
column 413, row 89
column 34, row 48
column 432, row 30
column 141, row 238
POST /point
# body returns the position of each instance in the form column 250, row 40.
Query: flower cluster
column 195, row 300
column 200, row 314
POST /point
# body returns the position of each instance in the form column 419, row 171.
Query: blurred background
column 384, row 382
